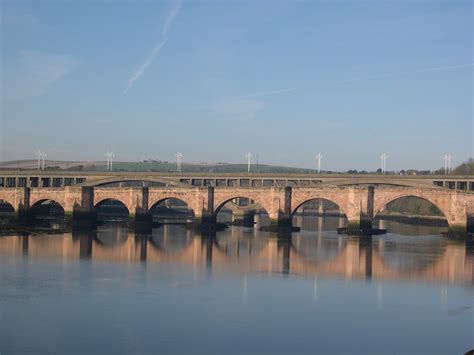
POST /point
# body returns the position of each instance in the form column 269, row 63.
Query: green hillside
column 217, row 168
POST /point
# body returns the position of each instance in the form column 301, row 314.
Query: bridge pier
column 83, row 215
column 143, row 219
column 23, row 209
column 367, row 210
column 205, row 219
column 461, row 220
column 470, row 223
column 281, row 219
column 360, row 217
column 458, row 229
column 206, row 223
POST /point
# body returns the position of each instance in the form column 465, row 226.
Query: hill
column 152, row 166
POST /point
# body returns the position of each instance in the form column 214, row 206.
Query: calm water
column 243, row 291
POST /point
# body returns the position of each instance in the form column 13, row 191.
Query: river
column 242, row 291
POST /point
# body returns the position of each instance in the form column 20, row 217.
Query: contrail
column 263, row 93
column 156, row 50
column 408, row 72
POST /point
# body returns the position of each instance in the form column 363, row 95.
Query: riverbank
column 414, row 220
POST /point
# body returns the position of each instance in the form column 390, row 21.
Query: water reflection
column 112, row 290
column 241, row 249
column 319, row 223
column 410, row 229
column 170, row 238
column 111, row 235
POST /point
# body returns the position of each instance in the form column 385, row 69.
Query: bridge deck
column 46, row 179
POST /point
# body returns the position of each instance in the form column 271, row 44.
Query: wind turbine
column 179, row 158
column 383, row 157
column 447, row 163
column 319, row 156
column 39, row 153
column 110, row 157
column 249, row 158
column 43, row 155
column 450, row 157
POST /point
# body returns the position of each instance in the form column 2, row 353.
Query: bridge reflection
column 391, row 257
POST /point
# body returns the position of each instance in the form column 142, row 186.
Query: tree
column 466, row 168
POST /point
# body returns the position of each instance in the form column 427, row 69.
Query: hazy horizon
column 32, row 164
column 214, row 80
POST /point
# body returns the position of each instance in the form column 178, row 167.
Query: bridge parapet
column 56, row 178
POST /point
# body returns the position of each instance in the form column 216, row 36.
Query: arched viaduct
column 359, row 203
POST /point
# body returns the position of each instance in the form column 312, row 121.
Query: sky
column 216, row 79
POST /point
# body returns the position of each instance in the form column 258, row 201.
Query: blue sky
column 215, row 79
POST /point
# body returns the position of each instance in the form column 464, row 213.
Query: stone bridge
column 359, row 203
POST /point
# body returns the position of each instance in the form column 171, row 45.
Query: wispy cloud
column 244, row 107
column 264, row 93
column 35, row 73
column 395, row 74
column 156, row 50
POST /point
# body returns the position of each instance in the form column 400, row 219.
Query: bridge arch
column 269, row 199
column 301, row 202
column 218, row 206
column 103, row 201
column 382, row 202
column 190, row 209
column 107, row 201
column 9, row 199
column 130, row 197
column 37, row 205
column 6, row 207
column 58, row 198
column 235, row 207
column 168, row 197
